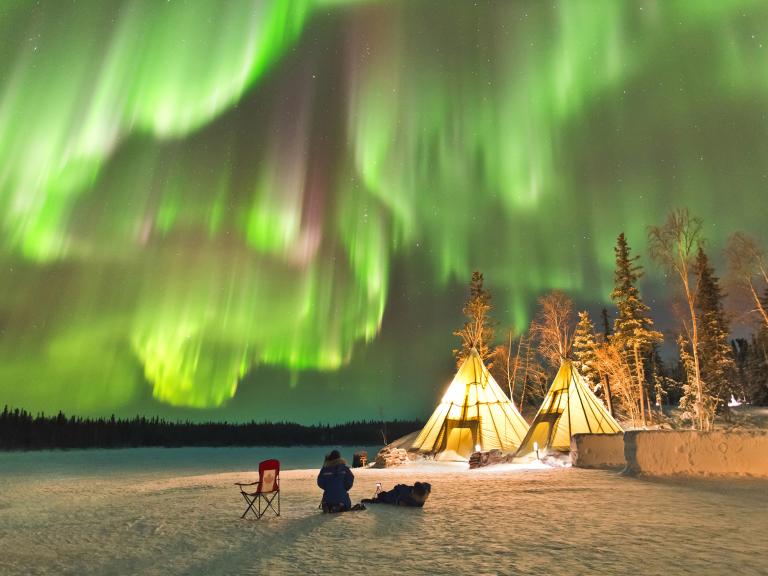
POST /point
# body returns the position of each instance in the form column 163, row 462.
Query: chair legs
column 250, row 508
column 255, row 502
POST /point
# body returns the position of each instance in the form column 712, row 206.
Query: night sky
column 271, row 209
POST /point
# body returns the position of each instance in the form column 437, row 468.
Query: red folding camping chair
column 267, row 490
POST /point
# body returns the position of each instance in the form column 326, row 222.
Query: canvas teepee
column 474, row 412
column 569, row 408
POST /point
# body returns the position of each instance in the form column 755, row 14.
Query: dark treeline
column 20, row 430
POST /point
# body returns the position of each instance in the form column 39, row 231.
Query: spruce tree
column 606, row 324
column 757, row 364
column 584, row 350
column 633, row 328
column 740, row 351
column 717, row 364
column 756, row 369
column 478, row 330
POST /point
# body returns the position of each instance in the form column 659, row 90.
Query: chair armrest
column 246, row 483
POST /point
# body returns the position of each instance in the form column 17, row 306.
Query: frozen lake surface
column 165, row 461
column 126, row 514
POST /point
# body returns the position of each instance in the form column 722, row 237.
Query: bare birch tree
column 504, row 364
column 533, row 378
column 553, row 327
column 748, row 269
column 612, row 362
column 673, row 245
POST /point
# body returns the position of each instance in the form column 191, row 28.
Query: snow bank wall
column 691, row 453
column 598, row 451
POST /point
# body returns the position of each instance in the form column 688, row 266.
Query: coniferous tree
column 606, row 324
column 477, row 331
column 633, row 328
column 584, row 350
column 717, row 365
column 758, row 372
column 756, row 369
column 740, row 348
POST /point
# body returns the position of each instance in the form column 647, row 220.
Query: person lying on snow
column 336, row 479
column 403, row 495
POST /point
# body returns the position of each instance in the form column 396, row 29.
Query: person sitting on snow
column 403, row 495
column 335, row 479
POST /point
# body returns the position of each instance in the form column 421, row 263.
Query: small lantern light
column 536, row 448
column 477, row 447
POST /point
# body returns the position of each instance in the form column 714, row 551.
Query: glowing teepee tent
column 474, row 413
column 569, row 408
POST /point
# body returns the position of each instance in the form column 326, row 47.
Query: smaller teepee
column 569, row 408
column 474, row 413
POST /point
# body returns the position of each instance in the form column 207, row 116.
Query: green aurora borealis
column 270, row 208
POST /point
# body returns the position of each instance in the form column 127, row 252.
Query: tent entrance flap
column 461, row 437
column 546, row 428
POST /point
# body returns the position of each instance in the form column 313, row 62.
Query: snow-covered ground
column 134, row 518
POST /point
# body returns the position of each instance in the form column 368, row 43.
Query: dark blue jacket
column 400, row 495
column 336, row 479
